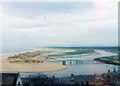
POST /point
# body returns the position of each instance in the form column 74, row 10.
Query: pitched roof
column 9, row 78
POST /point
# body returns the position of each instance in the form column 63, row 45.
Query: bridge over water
column 77, row 62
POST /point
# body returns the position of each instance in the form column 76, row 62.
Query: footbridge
column 77, row 62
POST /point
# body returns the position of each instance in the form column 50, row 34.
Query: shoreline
column 44, row 66
column 27, row 61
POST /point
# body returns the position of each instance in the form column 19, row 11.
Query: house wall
column 19, row 81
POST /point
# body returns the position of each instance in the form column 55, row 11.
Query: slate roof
column 77, row 78
column 9, row 78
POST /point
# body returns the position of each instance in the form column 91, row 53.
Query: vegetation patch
column 109, row 60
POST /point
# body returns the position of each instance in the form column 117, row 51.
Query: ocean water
column 6, row 51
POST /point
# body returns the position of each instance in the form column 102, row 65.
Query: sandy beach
column 30, row 67
column 43, row 66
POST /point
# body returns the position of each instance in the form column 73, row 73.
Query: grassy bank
column 109, row 60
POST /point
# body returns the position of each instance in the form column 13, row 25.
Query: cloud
column 13, row 22
column 91, row 27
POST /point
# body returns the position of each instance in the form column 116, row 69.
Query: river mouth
column 83, row 69
column 77, row 68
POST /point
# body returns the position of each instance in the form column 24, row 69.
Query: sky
column 68, row 24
